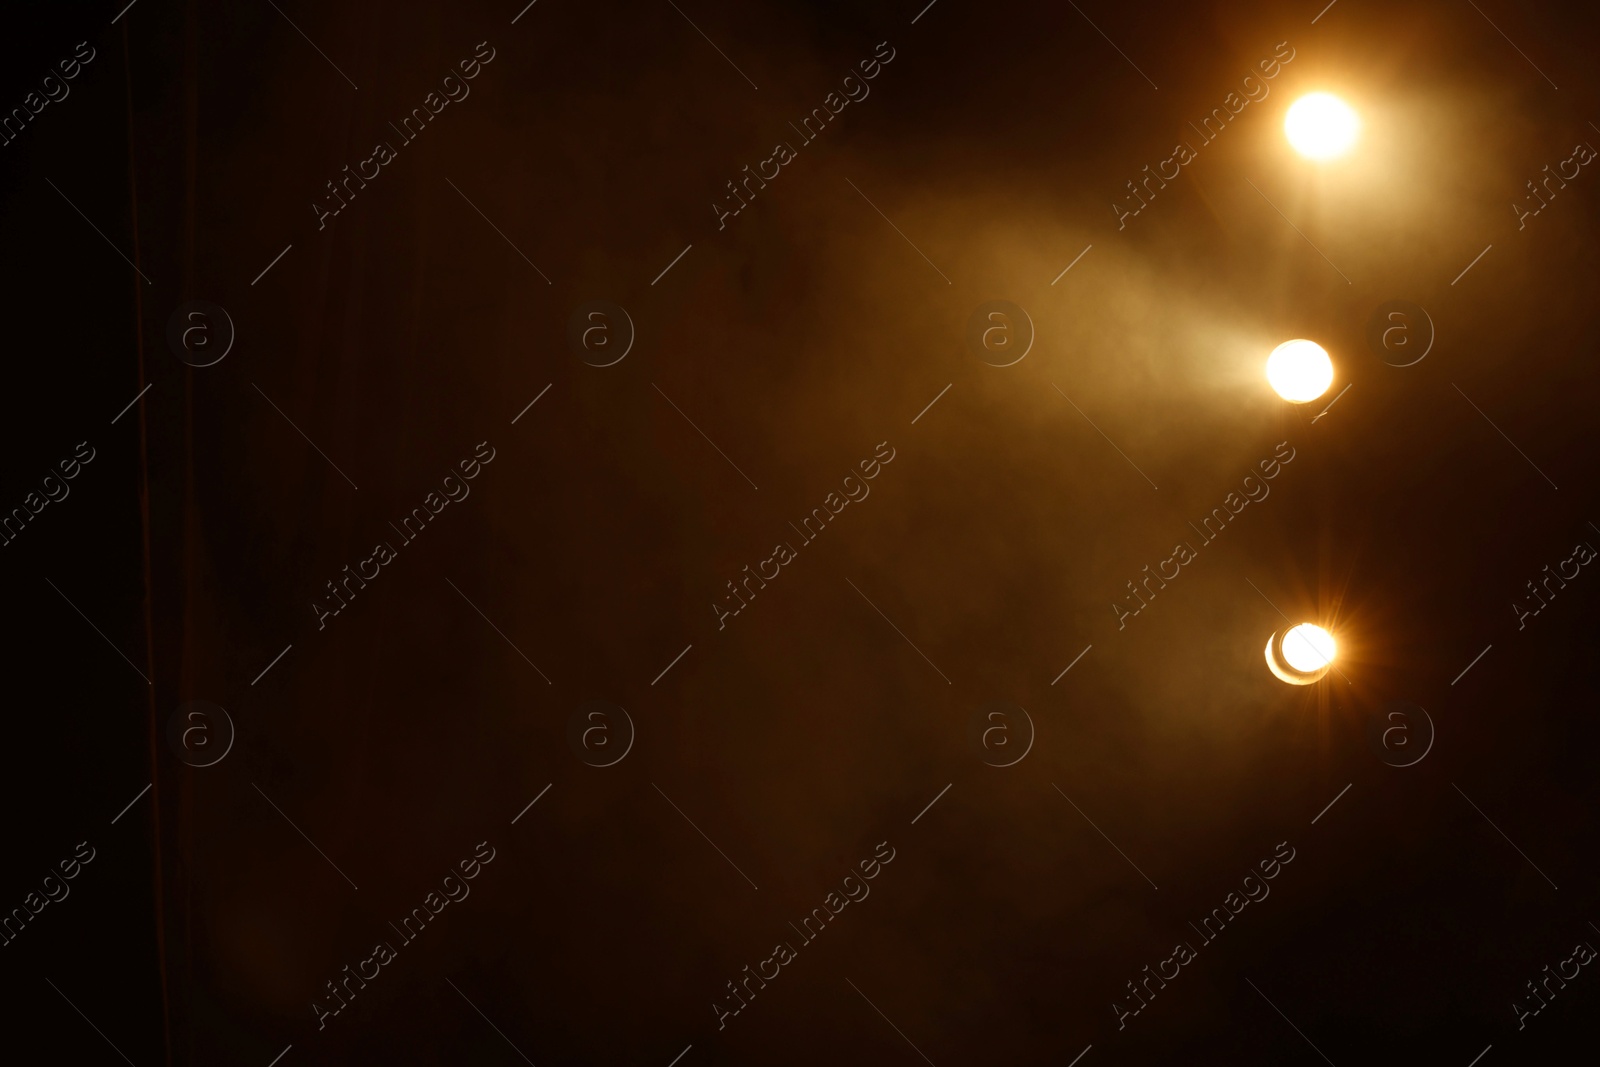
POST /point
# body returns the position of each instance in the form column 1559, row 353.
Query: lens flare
column 1299, row 371
column 1321, row 126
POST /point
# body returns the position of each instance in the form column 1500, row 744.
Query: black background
column 808, row 730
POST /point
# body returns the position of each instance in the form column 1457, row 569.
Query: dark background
column 797, row 338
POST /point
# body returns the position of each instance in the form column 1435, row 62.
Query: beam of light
column 1321, row 126
column 1299, row 371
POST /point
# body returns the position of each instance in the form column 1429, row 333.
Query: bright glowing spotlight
column 1302, row 654
column 1307, row 647
column 1321, row 126
column 1299, row 370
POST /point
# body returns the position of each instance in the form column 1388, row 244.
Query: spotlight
column 1321, row 126
column 1299, row 371
column 1302, row 654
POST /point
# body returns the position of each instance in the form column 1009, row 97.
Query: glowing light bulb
column 1321, row 126
column 1299, row 370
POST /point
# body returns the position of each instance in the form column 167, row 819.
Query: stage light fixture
column 1321, row 126
column 1299, row 370
column 1301, row 654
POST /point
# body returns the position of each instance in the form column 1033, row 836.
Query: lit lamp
column 1321, row 126
column 1301, row 654
column 1299, row 371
